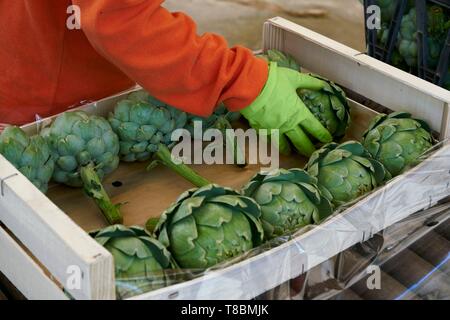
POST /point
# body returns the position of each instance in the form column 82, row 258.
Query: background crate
column 438, row 75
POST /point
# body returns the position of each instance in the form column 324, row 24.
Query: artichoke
column 346, row 171
column 86, row 149
column 329, row 105
column 289, row 199
column 142, row 124
column 144, row 127
column 397, row 140
column 209, row 225
column 140, row 260
column 30, row 155
column 282, row 59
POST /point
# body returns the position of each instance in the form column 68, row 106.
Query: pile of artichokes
column 437, row 26
column 211, row 224
column 405, row 52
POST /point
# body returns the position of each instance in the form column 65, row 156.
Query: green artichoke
column 140, row 260
column 209, row 225
column 289, row 199
column 437, row 26
column 30, row 155
column 282, row 59
column 86, row 149
column 329, row 106
column 142, row 124
column 346, row 171
column 397, row 140
column 144, row 127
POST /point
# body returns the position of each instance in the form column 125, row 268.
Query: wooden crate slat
column 52, row 237
column 365, row 75
column 26, row 275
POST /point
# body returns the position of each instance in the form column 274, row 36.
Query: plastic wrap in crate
column 424, row 54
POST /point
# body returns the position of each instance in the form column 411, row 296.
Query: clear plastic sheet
column 325, row 262
column 410, row 258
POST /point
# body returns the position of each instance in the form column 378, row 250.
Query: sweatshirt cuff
column 254, row 83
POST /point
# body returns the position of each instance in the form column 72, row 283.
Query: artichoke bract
column 282, row 59
column 86, row 149
column 140, row 261
column 347, row 171
column 30, row 155
column 144, row 127
column 209, row 225
column 397, row 140
column 289, row 199
column 329, row 105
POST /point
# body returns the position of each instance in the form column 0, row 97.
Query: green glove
column 279, row 107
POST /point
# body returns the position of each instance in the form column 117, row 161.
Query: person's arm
column 162, row 52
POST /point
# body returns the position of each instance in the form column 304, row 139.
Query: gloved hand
column 279, row 107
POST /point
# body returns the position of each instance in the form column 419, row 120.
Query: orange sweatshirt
column 48, row 68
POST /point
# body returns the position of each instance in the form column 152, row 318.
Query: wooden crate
column 44, row 236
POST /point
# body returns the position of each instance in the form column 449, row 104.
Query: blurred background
column 240, row 21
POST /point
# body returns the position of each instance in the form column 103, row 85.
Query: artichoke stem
column 151, row 224
column 238, row 155
column 94, row 189
column 165, row 157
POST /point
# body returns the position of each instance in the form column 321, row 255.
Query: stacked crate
column 385, row 50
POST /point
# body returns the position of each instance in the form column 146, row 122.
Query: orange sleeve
column 162, row 52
